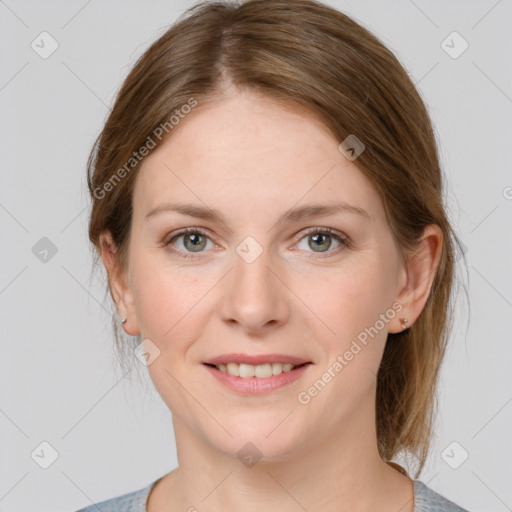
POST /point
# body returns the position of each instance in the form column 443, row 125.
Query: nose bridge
column 254, row 297
column 252, row 272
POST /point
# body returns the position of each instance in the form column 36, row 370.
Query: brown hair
column 304, row 53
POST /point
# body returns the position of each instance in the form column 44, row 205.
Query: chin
column 260, row 444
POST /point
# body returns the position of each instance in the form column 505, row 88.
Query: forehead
column 250, row 151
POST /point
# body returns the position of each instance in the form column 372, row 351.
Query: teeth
column 259, row 371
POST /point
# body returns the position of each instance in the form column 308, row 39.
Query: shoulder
column 130, row 502
column 427, row 500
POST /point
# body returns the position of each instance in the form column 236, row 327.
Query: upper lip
column 256, row 360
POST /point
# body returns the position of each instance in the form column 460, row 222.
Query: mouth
column 261, row 379
column 259, row 371
column 256, row 374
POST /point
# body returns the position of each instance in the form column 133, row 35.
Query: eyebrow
column 289, row 216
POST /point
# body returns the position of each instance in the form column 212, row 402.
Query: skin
column 252, row 159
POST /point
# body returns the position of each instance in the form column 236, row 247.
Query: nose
column 255, row 296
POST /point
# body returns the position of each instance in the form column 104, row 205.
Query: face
column 315, row 285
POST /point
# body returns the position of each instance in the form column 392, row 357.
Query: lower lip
column 255, row 385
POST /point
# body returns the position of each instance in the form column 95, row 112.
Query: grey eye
column 192, row 242
column 318, row 242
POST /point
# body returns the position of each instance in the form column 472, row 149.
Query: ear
column 418, row 274
column 120, row 288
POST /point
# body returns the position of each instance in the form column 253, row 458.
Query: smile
column 258, row 379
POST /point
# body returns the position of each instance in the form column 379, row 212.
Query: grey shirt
column 425, row 500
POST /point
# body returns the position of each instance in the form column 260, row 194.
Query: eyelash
column 345, row 242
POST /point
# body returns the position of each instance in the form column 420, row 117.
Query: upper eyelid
column 181, row 232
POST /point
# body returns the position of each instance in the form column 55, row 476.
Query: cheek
column 168, row 302
column 354, row 306
column 348, row 299
column 172, row 315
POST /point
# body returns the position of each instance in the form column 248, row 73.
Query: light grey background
column 59, row 381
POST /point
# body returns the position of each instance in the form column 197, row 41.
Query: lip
column 255, row 360
column 257, row 386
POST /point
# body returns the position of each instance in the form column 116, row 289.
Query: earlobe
column 420, row 271
column 403, row 322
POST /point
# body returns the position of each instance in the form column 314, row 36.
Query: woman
column 267, row 202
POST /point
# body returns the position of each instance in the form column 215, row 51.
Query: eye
column 320, row 240
column 194, row 240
